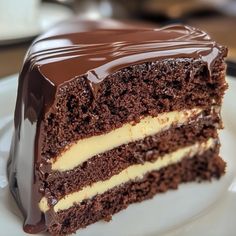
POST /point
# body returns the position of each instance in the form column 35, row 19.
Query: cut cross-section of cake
column 108, row 115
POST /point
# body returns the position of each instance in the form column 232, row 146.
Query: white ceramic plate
column 195, row 209
column 49, row 14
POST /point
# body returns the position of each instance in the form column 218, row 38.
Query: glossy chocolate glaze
column 82, row 49
column 97, row 53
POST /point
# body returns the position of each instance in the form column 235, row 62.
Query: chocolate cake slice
column 109, row 115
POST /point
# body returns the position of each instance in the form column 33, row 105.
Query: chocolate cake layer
column 201, row 167
column 127, row 95
column 103, row 166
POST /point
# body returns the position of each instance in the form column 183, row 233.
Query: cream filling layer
column 86, row 148
column 131, row 173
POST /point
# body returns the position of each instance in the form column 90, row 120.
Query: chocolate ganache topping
column 89, row 49
column 96, row 53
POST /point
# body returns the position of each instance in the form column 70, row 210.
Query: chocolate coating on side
column 92, row 50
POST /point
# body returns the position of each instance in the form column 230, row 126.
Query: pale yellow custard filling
column 86, row 148
column 131, row 173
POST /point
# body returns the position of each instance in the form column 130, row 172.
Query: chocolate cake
column 108, row 115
